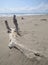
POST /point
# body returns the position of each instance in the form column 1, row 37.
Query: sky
column 24, row 6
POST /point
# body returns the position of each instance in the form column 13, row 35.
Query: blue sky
column 23, row 6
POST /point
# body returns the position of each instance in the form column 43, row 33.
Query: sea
column 17, row 14
column 11, row 14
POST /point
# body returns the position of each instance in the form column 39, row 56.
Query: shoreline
column 11, row 15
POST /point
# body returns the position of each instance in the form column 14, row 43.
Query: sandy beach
column 34, row 31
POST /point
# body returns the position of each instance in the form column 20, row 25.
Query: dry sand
column 34, row 31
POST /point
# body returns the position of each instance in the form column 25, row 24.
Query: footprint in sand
column 36, row 24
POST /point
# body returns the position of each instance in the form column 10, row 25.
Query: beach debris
column 43, row 19
column 16, row 24
column 22, row 18
column 7, row 26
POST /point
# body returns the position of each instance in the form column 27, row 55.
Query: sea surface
column 17, row 14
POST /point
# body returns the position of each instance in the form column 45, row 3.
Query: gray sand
column 34, row 31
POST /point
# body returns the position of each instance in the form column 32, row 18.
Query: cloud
column 40, row 8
